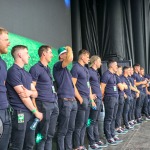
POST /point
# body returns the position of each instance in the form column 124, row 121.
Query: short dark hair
column 42, row 49
column 17, row 47
column 110, row 61
column 136, row 65
column 125, row 68
column 83, row 51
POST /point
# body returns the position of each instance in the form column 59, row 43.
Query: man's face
column 63, row 56
column 85, row 58
column 25, row 56
column 119, row 70
column 131, row 71
column 98, row 63
column 138, row 69
column 4, row 43
column 142, row 72
column 48, row 55
column 114, row 66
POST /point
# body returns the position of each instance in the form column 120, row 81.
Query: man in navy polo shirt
column 66, row 99
column 4, row 114
column 47, row 98
column 135, row 94
column 128, row 105
column 140, row 100
column 80, row 77
column 110, row 97
column 93, row 129
column 121, row 86
column 20, row 81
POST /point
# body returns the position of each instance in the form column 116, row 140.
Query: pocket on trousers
column 20, row 126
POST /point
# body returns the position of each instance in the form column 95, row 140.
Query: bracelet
column 33, row 111
column 91, row 100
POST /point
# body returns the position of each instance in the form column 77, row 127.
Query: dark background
column 46, row 21
column 113, row 28
column 108, row 28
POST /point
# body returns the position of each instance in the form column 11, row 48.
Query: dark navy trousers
column 111, row 107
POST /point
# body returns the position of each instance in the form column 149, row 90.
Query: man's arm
column 139, row 83
column 134, row 88
column 69, row 57
column 103, row 85
column 33, row 98
column 92, row 98
column 120, row 86
column 27, row 100
column 77, row 95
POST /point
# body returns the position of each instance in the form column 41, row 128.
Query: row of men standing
column 72, row 114
column 126, row 97
column 78, row 98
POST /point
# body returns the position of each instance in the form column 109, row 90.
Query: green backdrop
column 32, row 48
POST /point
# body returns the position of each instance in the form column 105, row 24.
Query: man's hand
column 125, row 96
column 125, row 85
column 93, row 96
column 93, row 104
column 38, row 115
column 144, row 82
column 137, row 95
column 80, row 101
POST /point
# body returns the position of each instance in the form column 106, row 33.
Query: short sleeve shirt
column 109, row 79
column 82, row 74
column 3, row 75
column 95, row 82
column 44, row 82
column 63, row 80
column 17, row 76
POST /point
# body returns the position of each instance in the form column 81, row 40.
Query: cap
column 61, row 50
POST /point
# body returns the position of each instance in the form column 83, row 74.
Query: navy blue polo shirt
column 109, row 79
column 17, row 76
column 119, row 80
column 126, row 80
column 44, row 82
column 137, row 77
column 82, row 74
column 95, row 82
column 3, row 75
column 131, row 79
column 63, row 80
column 147, row 76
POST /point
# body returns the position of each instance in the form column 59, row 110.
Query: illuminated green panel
column 32, row 48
